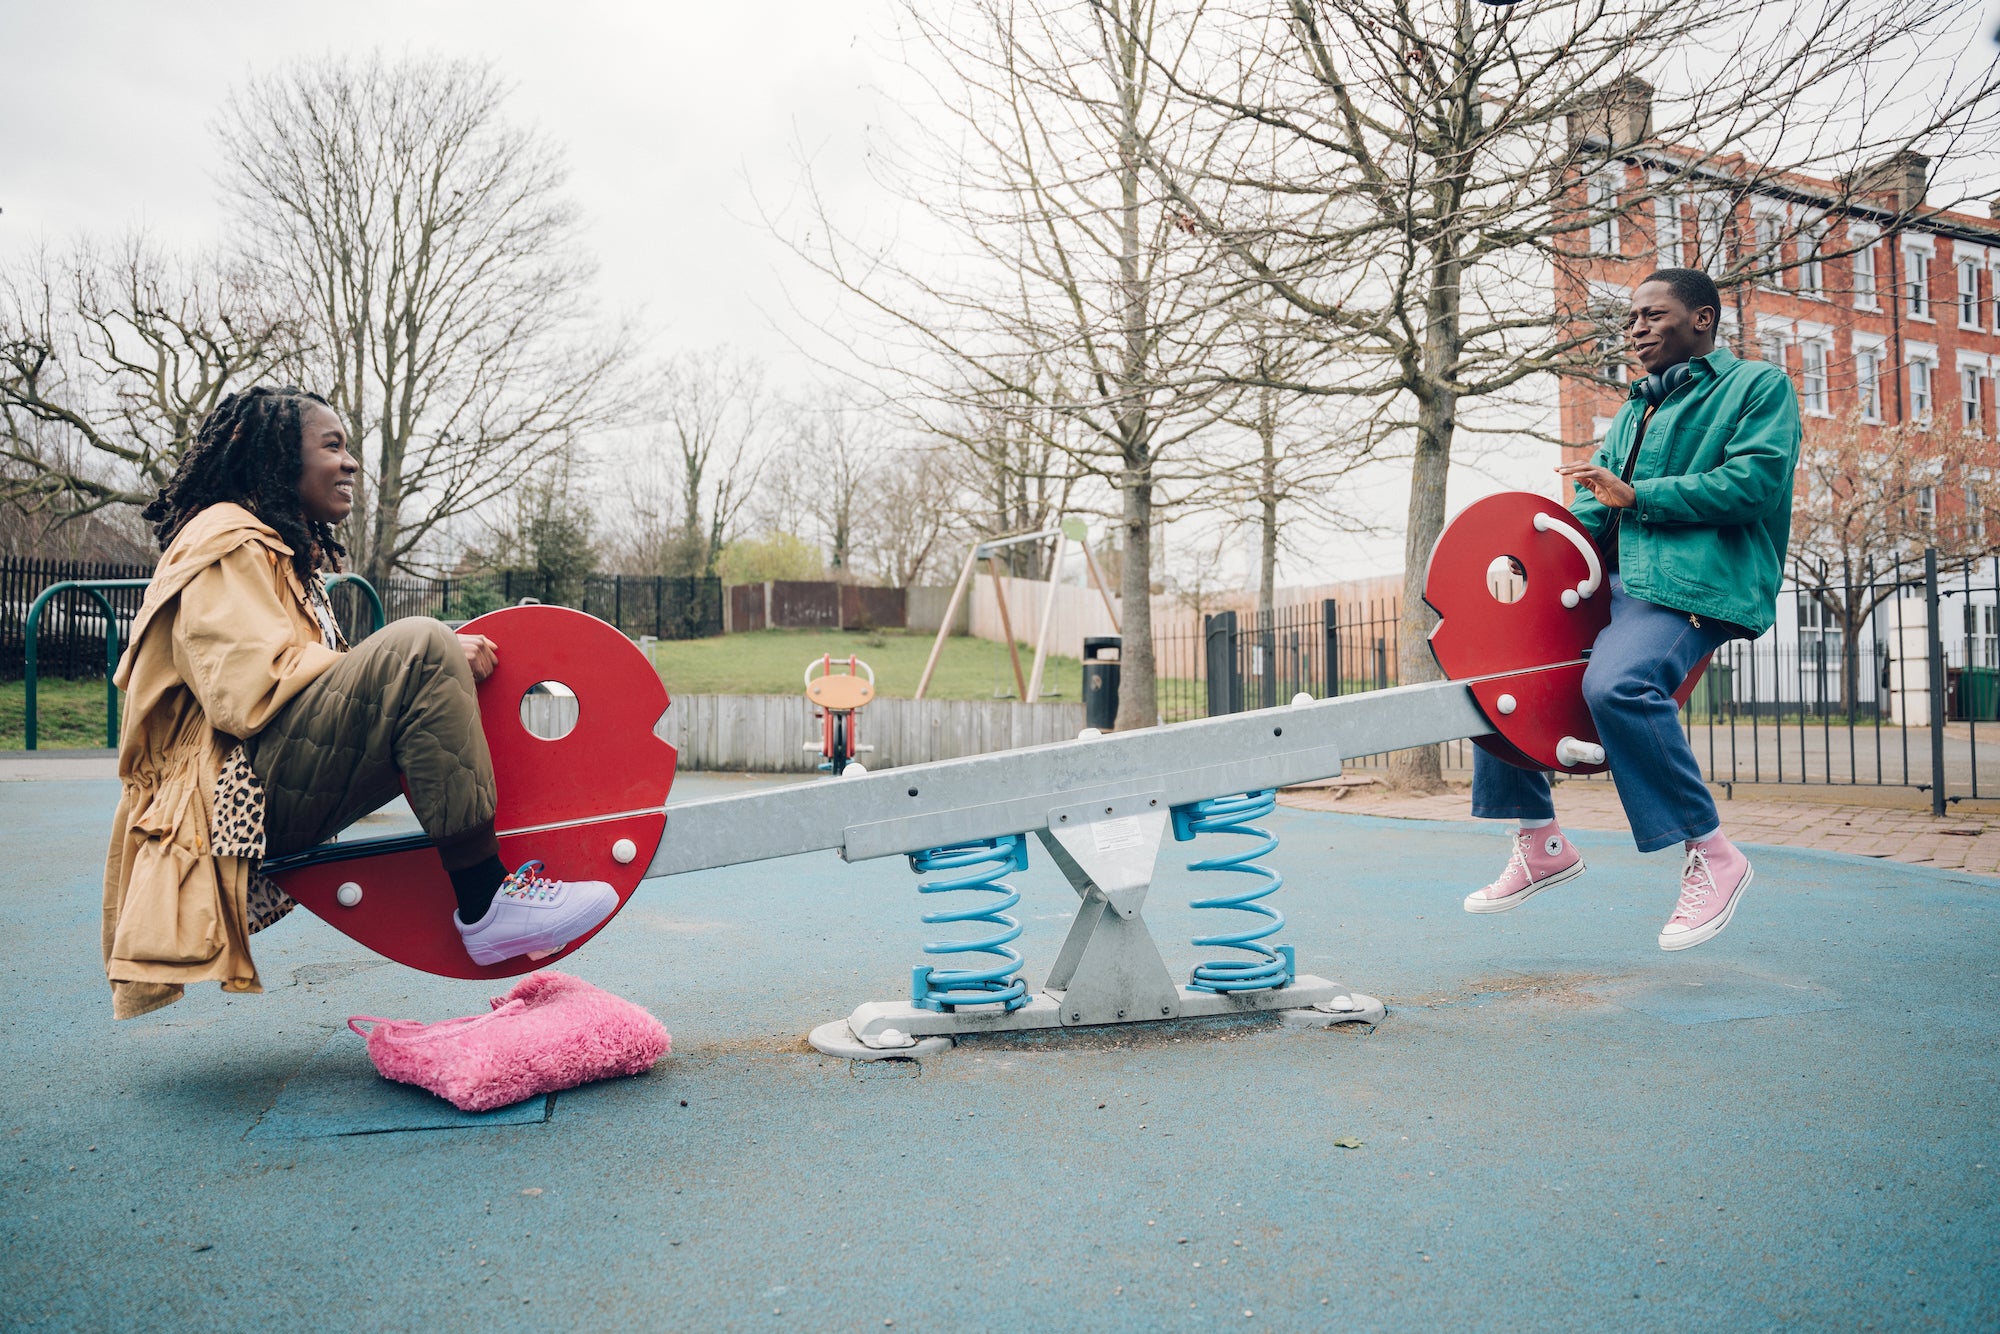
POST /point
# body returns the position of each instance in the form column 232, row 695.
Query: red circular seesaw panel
column 1530, row 650
column 605, row 781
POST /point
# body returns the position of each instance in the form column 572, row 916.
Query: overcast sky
column 665, row 111
column 670, row 114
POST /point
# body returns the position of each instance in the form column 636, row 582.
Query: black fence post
column 1225, row 678
column 1937, row 683
column 1329, row 613
column 1267, row 661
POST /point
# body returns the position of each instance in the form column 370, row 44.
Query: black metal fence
column 1836, row 693
column 70, row 642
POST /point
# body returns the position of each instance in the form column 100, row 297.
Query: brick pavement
column 1958, row 841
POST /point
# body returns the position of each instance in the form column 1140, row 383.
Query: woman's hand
column 480, row 654
column 1612, row 491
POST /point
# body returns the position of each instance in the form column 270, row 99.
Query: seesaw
column 1521, row 592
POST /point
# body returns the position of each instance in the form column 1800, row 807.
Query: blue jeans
column 1638, row 662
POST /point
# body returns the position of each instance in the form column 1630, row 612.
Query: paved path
column 1966, row 842
column 1558, row 1126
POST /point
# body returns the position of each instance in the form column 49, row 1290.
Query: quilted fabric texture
column 552, row 1031
column 401, row 705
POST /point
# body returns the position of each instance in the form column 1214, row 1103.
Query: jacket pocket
column 173, row 907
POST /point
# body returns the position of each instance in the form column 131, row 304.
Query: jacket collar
column 1708, row 366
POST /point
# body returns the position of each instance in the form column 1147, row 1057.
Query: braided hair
column 249, row 450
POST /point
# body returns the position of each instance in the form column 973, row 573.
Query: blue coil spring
column 1269, row 966
column 941, row 988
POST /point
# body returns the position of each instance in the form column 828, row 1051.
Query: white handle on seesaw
column 1591, row 582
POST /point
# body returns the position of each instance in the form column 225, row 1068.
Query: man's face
column 1664, row 332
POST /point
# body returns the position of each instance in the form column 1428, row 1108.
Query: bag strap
column 356, row 1019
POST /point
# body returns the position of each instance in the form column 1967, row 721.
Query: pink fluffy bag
column 552, row 1031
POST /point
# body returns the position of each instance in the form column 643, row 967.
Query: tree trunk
column 1423, row 767
column 1267, row 500
column 1138, row 699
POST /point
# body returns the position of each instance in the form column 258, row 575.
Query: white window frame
column 1982, row 368
column 1917, row 295
column 1767, row 232
column 1711, row 232
column 1868, row 391
column 1975, row 508
column 1812, row 267
column 1666, row 222
column 1921, row 359
column 1814, row 398
column 1968, row 261
column 1607, row 306
column 1866, row 262
column 1601, row 191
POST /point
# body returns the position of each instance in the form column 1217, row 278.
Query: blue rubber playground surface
column 1558, row 1126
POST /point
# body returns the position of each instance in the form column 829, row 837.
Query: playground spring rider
column 839, row 699
column 1520, row 588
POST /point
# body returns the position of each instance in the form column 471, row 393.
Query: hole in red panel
column 549, row 710
column 1507, row 579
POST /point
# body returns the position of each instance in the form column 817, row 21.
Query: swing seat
column 590, row 803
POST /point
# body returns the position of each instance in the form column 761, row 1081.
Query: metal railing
column 1837, row 694
column 96, row 588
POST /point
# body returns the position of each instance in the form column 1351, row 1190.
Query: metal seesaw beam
column 1009, row 792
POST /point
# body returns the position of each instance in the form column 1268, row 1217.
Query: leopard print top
column 237, row 829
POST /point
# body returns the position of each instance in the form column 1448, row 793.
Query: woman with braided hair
column 252, row 730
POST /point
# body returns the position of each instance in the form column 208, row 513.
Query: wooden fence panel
column 769, row 733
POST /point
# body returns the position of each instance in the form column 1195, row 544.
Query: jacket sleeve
column 1755, row 474
column 1586, row 508
column 236, row 646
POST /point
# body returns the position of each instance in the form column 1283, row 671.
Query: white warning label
column 1113, row 835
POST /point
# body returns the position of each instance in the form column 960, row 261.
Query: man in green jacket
column 1690, row 500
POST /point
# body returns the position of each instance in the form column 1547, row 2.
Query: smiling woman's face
column 326, row 481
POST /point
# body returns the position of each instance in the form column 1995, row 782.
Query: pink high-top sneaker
column 1712, row 883
column 1541, row 858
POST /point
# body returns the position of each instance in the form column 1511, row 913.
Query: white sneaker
column 536, row 916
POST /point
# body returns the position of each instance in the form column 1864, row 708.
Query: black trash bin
column 1100, row 680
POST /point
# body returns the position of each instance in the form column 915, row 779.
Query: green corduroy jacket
column 1714, row 515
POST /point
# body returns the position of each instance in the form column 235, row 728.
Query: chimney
column 1903, row 175
column 1621, row 116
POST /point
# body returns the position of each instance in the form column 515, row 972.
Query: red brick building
column 1875, row 304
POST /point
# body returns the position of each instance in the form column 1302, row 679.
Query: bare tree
column 1874, row 496
column 1437, row 158
column 1084, row 297
column 908, row 516
column 427, row 245
column 713, row 420
column 109, row 361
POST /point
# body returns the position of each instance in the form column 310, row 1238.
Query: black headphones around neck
column 1655, row 388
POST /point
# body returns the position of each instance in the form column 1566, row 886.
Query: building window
column 1927, row 508
column 1819, row 644
column 1771, row 250
column 1711, row 219
column 1771, row 347
column 1975, row 515
column 1864, row 277
column 1813, row 382
column 1970, row 414
column 1920, row 390
column 1919, row 283
column 1982, row 636
column 1667, row 230
column 1968, row 293
column 1868, row 383
column 1604, row 210
column 1812, row 269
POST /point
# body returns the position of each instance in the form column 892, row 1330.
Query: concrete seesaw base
column 1558, row 1126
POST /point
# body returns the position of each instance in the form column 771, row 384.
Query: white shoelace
column 1520, row 859
column 1693, row 893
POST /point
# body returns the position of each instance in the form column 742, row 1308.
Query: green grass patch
column 69, row 714
column 773, row 662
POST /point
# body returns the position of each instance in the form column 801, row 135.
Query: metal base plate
column 1308, row 999
column 837, row 1039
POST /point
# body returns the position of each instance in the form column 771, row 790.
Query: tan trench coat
column 225, row 638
